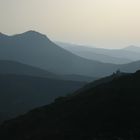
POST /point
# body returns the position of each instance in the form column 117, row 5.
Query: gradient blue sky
column 101, row 23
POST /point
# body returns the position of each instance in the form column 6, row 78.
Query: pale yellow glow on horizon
column 103, row 23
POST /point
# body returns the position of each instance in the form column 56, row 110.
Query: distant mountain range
column 115, row 56
column 107, row 111
column 35, row 49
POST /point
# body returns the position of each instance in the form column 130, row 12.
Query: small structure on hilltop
column 117, row 73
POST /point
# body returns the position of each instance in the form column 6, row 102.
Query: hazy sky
column 102, row 23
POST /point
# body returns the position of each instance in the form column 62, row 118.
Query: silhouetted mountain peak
column 32, row 32
column 33, row 35
column 3, row 35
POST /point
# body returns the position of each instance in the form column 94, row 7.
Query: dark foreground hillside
column 109, row 111
column 21, row 93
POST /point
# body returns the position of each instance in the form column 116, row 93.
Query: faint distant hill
column 117, row 56
column 20, row 93
column 130, row 67
column 74, row 77
column 107, row 111
column 132, row 48
column 93, row 54
column 13, row 67
column 38, row 50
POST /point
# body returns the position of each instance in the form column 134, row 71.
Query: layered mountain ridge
column 35, row 49
column 107, row 111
